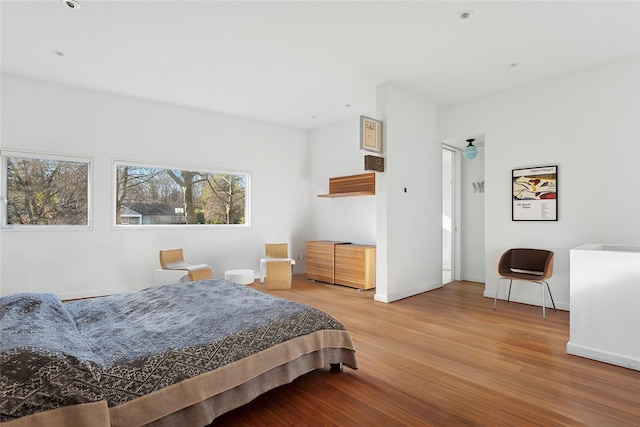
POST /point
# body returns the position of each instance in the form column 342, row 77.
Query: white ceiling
column 305, row 64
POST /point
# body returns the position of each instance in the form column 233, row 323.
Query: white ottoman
column 242, row 276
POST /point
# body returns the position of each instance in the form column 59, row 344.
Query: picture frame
column 370, row 134
column 373, row 163
column 534, row 194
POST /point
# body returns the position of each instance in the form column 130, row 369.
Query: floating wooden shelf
column 352, row 185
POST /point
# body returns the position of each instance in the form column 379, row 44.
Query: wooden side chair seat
column 279, row 267
column 278, row 274
column 173, row 259
column 529, row 265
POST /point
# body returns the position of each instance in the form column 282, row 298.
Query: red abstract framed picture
column 535, row 194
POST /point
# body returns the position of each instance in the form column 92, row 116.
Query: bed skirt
column 199, row 400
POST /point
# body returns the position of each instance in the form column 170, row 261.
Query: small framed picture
column 534, row 194
column 370, row 134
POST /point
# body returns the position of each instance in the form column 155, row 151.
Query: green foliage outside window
column 154, row 195
column 46, row 191
column 51, row 190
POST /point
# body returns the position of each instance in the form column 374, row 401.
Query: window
column 45, row 190
column 153, row 195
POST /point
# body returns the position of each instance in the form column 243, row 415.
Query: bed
column 179, row 354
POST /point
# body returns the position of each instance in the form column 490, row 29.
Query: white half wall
column 587, row 123
column 45, row 117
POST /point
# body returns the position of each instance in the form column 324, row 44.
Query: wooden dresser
column 342, row 263
column 320, row 260
column 355, row 265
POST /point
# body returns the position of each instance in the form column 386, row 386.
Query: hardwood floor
column 445, row 358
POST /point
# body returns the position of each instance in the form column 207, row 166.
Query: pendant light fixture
column 471, row 151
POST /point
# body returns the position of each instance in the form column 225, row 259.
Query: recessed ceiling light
column 57, row 52
column 347, row 105
column 314, row 117
column 73, row 4
column 466, row 14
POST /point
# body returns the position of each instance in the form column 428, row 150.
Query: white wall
column 334, row 150
column 45, row 117
column 588, row 124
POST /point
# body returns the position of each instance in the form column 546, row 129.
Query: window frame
column 176, row 166
column 4, row 196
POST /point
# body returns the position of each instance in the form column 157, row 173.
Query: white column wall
column 410, row 229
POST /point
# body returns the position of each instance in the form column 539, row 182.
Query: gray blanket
column 121, row 347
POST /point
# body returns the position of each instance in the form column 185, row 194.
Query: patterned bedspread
column 122, row 347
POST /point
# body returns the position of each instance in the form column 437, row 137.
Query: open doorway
column 463, row 210
column 448, row 214
column 472, row 194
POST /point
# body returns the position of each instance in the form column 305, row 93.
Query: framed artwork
column 534, row 194
column 370, row 134
column 373, row 163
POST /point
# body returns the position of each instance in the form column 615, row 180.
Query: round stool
column 242, row 276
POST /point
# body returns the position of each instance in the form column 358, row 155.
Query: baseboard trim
column 406, row 294
column 603, row 356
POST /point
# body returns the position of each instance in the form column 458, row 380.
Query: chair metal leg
column 552, row 302
column 495, row 299
column 544, row 304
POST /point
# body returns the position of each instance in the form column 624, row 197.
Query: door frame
column 456, row 209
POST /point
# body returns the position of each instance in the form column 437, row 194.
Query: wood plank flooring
column 445, row 358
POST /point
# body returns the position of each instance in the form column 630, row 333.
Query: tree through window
column 46, row 190
column 155, row 195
